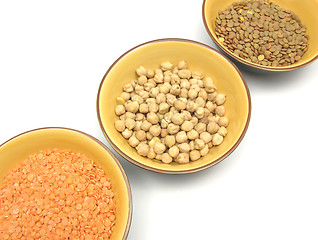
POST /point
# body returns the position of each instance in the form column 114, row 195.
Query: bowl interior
column 21, row 147
column 306, row 10
column 199, row 58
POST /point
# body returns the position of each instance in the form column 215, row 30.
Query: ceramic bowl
column 25, row 144
column 199, row 57
column 306, row 10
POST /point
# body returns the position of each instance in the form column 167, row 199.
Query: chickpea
column 137, row 126
column 138, row 99
column 182, row 65
column 166, row 66
column 177, row 119
column 132, row 107
column 153, row 107
column 167, row 78
column 209, row 85
column 130, row 123
column 145, row 125
column 206, row 137
column 120, row 125
column 143, row 94
column 191, row 106
column 150, row 73
column 179, row 104
column 197, row 75
column 200, row 83
column 191, row 144
column 127, row 133
column 163, row 108
column 151, row 154
column 199, row 113
column 125, row 95
column 206, row 112
column 192, row 134
column 166, row 158
column 186, row 115
column 211, row 96
column 143, row 149
column 175, row 89
column 184, row 83
column 220, row 99
column 204, row 151
column 153, row 141
column 152, row 118
column 141, row 135
column 120, row 101
column 128, row 88
column 164, row 133
column 149, row 136
column 203, row 94
column 194, row 121
column 149, row 85
column 155, row 130
column 143, row 108
column 212, row 127
column 187, row 126
column 210, row 145
column 163, row 123
column 174, row 76
column 183, row 93
column 158, row 78
column 220, row 110
column 140, row 117
column 193, row 81
column 142, row 80
column 210, row 106
column 181, row 137
column 222, row 131
column 182, row 158
column 195, row 86
column 170, row 140
column 138, row 89
column 184, row 73
column 173, row 151
column 200, row 102
column 159, row 148
column 120, row 110
column 184, row 147
column 170, row 99
column 154, row 92
column 141, row 71
column 195, row 155
column 165, row 88
column 217, row 139
column 223, row 122
column 168, row 116
column 130, row 115
column 192, row 94
column 161, row 98
column 200, row 127
column 172, row 128
column 158, row 157
column 199, row 144
column 133, row 141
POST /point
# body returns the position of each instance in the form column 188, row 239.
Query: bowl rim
column 251, row 64
column 128, row 223
column 158, row 170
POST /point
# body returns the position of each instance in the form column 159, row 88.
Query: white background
column 53, row 55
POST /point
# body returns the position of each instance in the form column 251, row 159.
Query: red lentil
column 57, row 194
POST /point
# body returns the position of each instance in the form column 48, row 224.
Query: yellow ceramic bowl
column 200, row 57
column 307, row 10
column 21, row 146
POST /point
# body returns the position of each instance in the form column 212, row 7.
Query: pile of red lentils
column 57, row 194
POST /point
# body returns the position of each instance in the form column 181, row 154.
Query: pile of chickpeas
column 171, row 114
